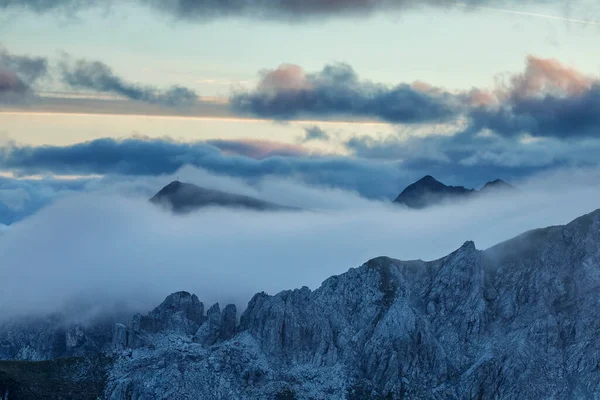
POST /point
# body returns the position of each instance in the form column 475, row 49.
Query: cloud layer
column 286, row 10
column 288, row 92
column 18, row 73
column 97, row 76
column 548, row 99
column 110, row 248
column 138, row 156
column 378, row 167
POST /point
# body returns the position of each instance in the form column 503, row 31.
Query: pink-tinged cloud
column 337, row 91
column 258, row 149
column 548, row 99
column 11, row 83
column 481, row 98
column 549, row 76
column 287, row 77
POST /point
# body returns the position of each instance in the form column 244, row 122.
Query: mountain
column 428, row 191
column 517, row 321
column 498, row 184
column 186, row 197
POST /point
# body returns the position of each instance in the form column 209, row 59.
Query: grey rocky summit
column 185, row 197
column 517, row 321
column 428, row 191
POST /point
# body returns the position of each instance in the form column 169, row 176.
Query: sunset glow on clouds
column 286, row 93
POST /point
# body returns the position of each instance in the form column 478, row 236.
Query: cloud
column 17, row 75
column 97, row 76
column 10, row 83
column 548, row 100
column 315, row 133
column 45, row 5
column 378, row 168
column 107, row 248
column 282, row 10
column 467, row 157
column 565, row 117
column 30, row 69
column 472, row 161
column 548, row 76
column 288, row 92
column 138, row 156
column 258, row 149
column 20, row 198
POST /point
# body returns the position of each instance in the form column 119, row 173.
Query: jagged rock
column 75, row 336
column 119, row 339
column 208, row 333
column 228, row 322
column 180, row 312
column 36, row 339
column 428, row 191
column 183, row 197
column 519, row 320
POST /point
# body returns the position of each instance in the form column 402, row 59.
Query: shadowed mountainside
column 186, row 197
column 428, row 191
column 518, row 320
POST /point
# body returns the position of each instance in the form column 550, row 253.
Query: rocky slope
column 428, row 191
column 185, row 197
column 519, row 320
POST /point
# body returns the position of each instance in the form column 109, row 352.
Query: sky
column 335, row 106
column 359, row 95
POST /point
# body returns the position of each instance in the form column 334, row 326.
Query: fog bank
column 114, row 246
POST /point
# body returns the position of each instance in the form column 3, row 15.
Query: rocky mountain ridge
column 185, row 197
column 518, row 320
column 428, row 191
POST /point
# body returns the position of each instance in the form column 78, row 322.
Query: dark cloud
column 257, row 149
column 464, row 157
column 565, row 117
column 336, row 91
column 548, row 99
column 30, row 69
column 17, row 74
column 97, row 76
column 269, row 9
column 160, row 156
column 285, row 10
column 315, row 133
column 377, row 169
column 462, row 160
column 10, row 83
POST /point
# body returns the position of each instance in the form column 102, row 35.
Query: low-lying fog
column 111, row 245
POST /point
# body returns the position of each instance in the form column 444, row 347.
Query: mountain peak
column 171, row 187
column 498, row 184
column 428, row 191
column 428, row 180
column 185, row 197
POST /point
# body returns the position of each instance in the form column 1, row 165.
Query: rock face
column 428, row 191
column 185, row 197
column 519, row 320
column 37, row 339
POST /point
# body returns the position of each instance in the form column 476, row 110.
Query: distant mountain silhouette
column 498, row 184
column 428, row 191
column 185, row 197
